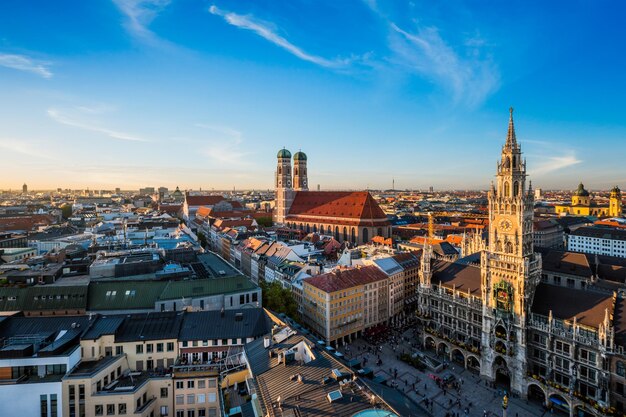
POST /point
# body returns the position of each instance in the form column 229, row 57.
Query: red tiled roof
column 203, row 211
column 359, row 206
column 342, row 279
column 221, row 223
column 203, row 200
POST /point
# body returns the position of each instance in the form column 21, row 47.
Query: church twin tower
column 285, row 187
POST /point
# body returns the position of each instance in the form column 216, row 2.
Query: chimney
column 266, row 342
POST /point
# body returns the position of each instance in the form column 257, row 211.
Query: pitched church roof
column 203, row 200
column 358, row 207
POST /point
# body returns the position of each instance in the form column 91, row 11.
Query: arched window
column 296, row 171
column 498, row 246
column 507, row 190
column 509, row 247
column 308, row 229
column 507, row 163
column 345, row 233
column 314, row 228
column 365, row 235
column 353, row 235
column 336, row 232
column 380, row 232
column 280, row 170
column 513, row 209
column 515, row 189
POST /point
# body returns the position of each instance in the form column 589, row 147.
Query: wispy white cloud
column 225, row 145
column 26, row 147
column 234, row 134
column 554, row 163
column 73, row 118
column 469, row 79
column 265, row 31
column 139, row 14
column 25, row 63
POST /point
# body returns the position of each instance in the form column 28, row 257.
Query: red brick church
column 347, row 216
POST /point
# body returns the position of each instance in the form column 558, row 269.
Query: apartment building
column 338, row 306
column 598, row 240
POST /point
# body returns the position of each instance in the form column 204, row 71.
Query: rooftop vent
column 334, row 396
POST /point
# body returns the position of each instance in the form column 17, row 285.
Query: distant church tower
column 510, row 270
column 24, row 188
column 284, row 190
column 615, row 202
column 300, row 181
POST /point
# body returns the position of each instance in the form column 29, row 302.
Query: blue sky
column 201, row 93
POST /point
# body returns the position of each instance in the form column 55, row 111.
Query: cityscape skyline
column 119, row 95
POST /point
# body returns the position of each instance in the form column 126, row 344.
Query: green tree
column 202, row 239
column 265, row 221
column 66, row 211
column 278, row 299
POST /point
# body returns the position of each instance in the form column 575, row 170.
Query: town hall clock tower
column 510, row 270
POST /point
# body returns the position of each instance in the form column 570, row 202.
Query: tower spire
column 511, row 140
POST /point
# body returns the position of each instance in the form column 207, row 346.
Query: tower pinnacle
column 511, row 140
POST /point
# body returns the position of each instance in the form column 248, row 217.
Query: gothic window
column 515, row 189
column 507, row 163
column 507, row 189
column 365, row 235
column 498, row 246
column 509, row 247
column 314, row 228
column 336, row 232
column 296, row 171
column 280, row 170
column 353, row 235
column 345, row 233
column 380, row 232
column 514, row 161
column 308, row 229
column 513, row 210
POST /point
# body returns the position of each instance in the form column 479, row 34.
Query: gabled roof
column 356, row 206
column 103, row 325
column 341, row 279
column 230, row 324
column 566, row 303
column 570, row 263
column 150, row 326
column 202, row 200
column 459, row 276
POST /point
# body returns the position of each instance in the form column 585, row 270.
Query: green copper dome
column 284, row 153
column 299, row 156
column 581, row 192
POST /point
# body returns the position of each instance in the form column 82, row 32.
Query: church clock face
column 506, row 225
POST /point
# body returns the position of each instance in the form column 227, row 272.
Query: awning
column 557, row 401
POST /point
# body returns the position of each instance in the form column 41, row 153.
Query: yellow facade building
column 584, row 205
column 341, row 305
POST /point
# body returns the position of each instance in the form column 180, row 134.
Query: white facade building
column 598, row 240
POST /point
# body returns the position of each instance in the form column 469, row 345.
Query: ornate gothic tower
column 300, row 180
column 510, row 270
column 615, row 202
column 284, row 190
